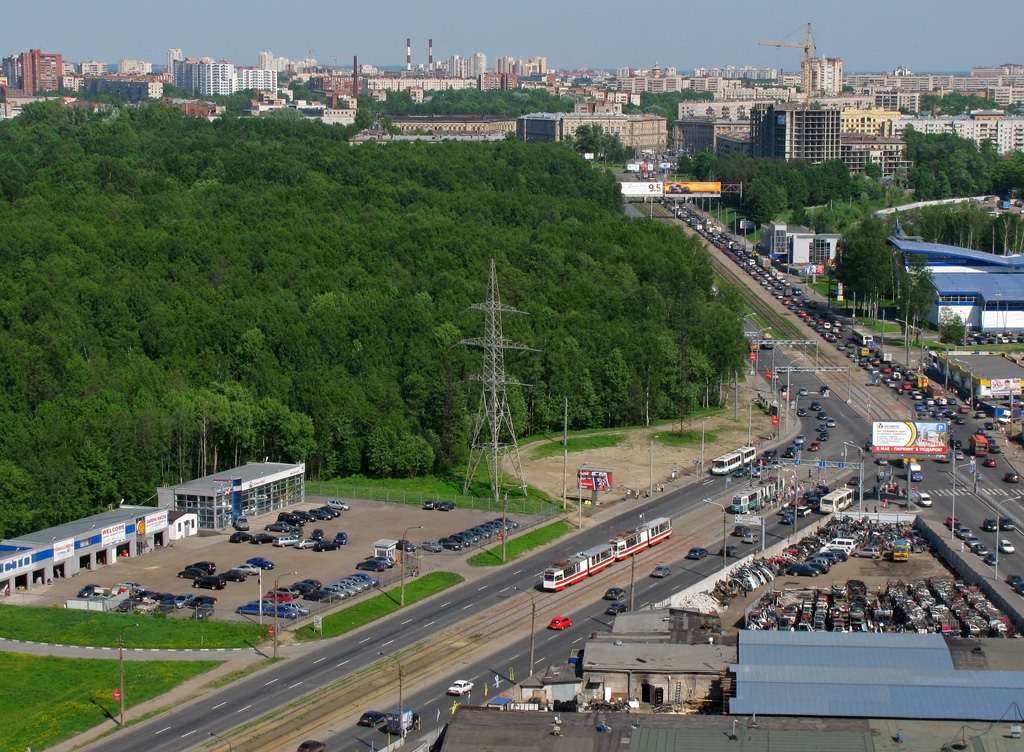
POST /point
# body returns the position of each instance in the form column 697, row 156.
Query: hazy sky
column 869, row 35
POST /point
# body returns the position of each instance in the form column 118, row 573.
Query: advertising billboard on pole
column 700, row 190
column 909, row 437
column 640, row 190
column 594, row 479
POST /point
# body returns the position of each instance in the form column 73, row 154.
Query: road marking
column 576, row 640
column 481, row 588
column 219, row 706
column 468, row 605
column 294, row 685
column 162, row 730
column 245, row 708
column 271, row 682
column 188, row 734
column 504, row 589
column 428, row 624
column 319, row 659
column 406, row 622
column 387, row 643
column 445, row 604
column 365, row 640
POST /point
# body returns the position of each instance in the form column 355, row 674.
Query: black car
column 191, row 573
column 430, row 504
column 451, row 544
column 281, row 526
column 989, row 525
column 291, row 518
column 815, row 405
column 371, row 565
column 317, row 534
column 319, row 514
column 331, row 513
column 261, row 538
column 405, row 545
column 322, row 596
column 235, row 575
column 1005, row 523
column 614, row 594
column 341, row 539
column 239, row 538
column 304, row 588
column 203, row 600
column 616, row 608
column 372, row 718
column 729, row 551
column 210, row 582
column 446, row 506
column 87, row 591
column 314, row 582
column 325, row 545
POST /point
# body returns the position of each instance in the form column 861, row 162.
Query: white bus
column 863, row 339
column 736, row 459
column 836, row 501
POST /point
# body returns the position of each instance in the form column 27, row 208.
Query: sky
column 869, row 35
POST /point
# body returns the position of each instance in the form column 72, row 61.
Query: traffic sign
column 796, row 462
column 821, row 463
column 973, row 467
column 746, row 519
column 840, row 465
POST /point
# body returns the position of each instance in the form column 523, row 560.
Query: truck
column 886, row 356
column 979, row 445
column 633, row 167
column 401, row 721
column 901, row 550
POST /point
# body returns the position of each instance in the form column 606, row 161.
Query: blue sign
column 973, row 467
column 796, row 462
column 821, row 463
column 840, row 465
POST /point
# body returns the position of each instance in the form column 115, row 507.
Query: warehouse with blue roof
column 984, row 289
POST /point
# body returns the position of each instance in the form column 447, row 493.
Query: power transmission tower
column 494, row 435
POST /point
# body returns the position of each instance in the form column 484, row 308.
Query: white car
column 460, row 687
column 305, row 543
column 924, row 499
column 285, row 540
column 1005, row 547
column 248, row 568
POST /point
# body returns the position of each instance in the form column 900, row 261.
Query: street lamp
column 120, row 662
column 226, row 741
column 533, row 625
column 405, row 538
column 724, row 524
column 401, row 681
column 277, row 606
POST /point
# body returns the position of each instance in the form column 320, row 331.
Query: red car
column 280, row 596
column 560, row 622
column 989, row 462
column 814, row 447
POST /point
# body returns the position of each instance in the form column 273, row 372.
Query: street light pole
column 405, row 537
column 533, row 626
column 120, row 661
column 277, row 606
column 724, row 525
column 401, row 681
column 226, row 741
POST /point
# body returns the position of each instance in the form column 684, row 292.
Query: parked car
column 190, row 573
column 371, row 565
column 451, row 544
column 430, row 504
column 260, row 538
column 804, row 570
column 210, row 582
column 180, row 601
column 259, row 561
column 279, row 527
column 432, row 546
column 446, row 506
column 341, row 506
column 240, row 523
column 239, row 537
column 325, row 545
column 235, row 575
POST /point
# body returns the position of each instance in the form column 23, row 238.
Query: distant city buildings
column 208, row 77
column 33, row 72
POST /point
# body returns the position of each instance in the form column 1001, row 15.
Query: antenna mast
column 494, row 435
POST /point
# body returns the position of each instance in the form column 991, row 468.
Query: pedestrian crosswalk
column 965, row 488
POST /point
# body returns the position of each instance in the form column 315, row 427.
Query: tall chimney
column 355, row 77
column 408, row 54
column 430, row 54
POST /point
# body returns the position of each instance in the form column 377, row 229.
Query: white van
column 924, row 499
column 846, row 545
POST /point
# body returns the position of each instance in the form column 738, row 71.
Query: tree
column 873, row 170
column 765, row 199
column 705, row 166
column 952, row 329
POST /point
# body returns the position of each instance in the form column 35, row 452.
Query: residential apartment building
column 502, row 81
column 131, row 90
column 826, row 75
column 858, row 150
column 732, row 143
column 133, row 67
column 1004, row 131
column 34, row 71
column 405, row 83
column 904, row 101
column 207, row 77
column 791, row 131
column 695, row 135
column 455, row 125
column 93, row 68
column 641, row 132
column 873, row 122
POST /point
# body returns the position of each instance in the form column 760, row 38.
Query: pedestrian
column 876, row 508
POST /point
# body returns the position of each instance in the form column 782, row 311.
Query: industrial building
column 642, row 132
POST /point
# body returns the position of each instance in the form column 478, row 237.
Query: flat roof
column 246, row 473
column 937, row 251
column 661, row 657
column 80, row 528
column 979, row 366
column 1008, row 288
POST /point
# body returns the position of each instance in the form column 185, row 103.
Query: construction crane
column 808, row 48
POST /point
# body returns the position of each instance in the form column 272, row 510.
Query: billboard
column 1004, row 386
column 594, row 479
column 909, row 437
column 701, row 190
column 642, row 189
column 63, row 549
column 113, row 535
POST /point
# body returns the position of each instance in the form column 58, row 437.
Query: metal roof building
column 830, row 675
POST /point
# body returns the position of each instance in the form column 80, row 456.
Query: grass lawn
column 519, row 545
column 686, row 438
column 380, row 605
column 51, row 699
column 67, row 627
column 580, row 444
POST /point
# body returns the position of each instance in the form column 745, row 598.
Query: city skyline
column 875, row 36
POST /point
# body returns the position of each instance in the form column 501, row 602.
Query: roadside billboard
column 113, row 535
column 701, row 190
column 1003, row 386
column 642, row 189
column 594, row 479
column 63, row 549
column 909, row 437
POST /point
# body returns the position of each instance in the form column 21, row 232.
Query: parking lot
column 365, row 523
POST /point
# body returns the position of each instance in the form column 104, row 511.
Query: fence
column 516, row 504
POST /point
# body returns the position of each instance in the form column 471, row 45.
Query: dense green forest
column 179, row 296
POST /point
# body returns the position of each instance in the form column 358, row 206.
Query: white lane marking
column 481, row 588
column 516, row 572
column 445, row 604
column 387, row 643
column 163, row 730
column 294, row 685
column 219, row 706
column 245, row 708
column 428, row 624
column 271, row 682
column 341, row 664
column 188, row 734
column 469, row 605
column 367, row 639
column 319, row 659
column 406, row 622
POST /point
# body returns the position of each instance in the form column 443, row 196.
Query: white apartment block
column 396, row 83
column 1005, row 132
column 256, row 78
column 174, row 54
column 130, row 66
column 93, row 68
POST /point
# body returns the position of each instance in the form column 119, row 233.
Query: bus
column 901, row 550
column 863, row 339
column 836, row 501
column 734, row 460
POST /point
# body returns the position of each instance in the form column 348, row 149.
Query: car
column 804, row 570
column 329, row 513
column 293, row 607
column 325, row 545
column 279, row 527
column 281, row 595
column 661, row 571
column 241, row 524
column 239, row 537
column 821, row 564
column 302, row 587
column 802, row 392
column 372, row 718
column 406, row 546
column 751, row 537
column 341, row 506
column 312, row 745
column 814, row 446
column 740, row 473
column 430, row 504
column 1005, row 523
column 254, row 608
column 989, row 525
column 616, row 608
column 446, row 506
column 816, row 405
column 951, row 521
column 697, row 553
column 728, row 551
column 823, row 436
column 371, row 565
column 1006, row 547
column 740, row 530
column 287, row 540
column 260, row 562
column 560, row 622
column 451, row 544
column 203, row 600
column 830, row 422
column 371, row 581
column 190, row 573
column 1011, row 477
column 786, row 519
column 322, row 596
column 235, row 575
column 432, row 546
column 319, row 514
column 87, row 591
column 963, row 532
column 853, row 482
column 989, row 462
column 614, row 594
column 260, row 538
column 823, row 416
column 800, row 440
column 459, row 687
column 180, row 601
column 801, row 412
column 210, row 581
column 991, row 559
